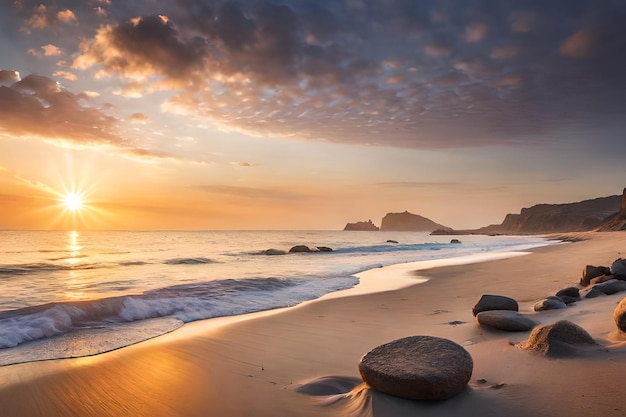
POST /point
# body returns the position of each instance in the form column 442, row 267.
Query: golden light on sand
column 73, row 201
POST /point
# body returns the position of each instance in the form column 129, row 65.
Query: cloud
column 139, row 118
column 419, row 74
column 38, row 107
column 65, row 74
column 51, row 50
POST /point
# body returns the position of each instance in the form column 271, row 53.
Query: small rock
column 392, row 241
column 594, row 292
column 494, row 302
column 611, row 287
column 569, row 292
column 558, row 339
column 275, row 252
column 507, row 320
column 418, row 368
column 601, row 279
column 300, row 248
column 455, row 241
column 619, row 315
column 549, row 304
column 324, row 249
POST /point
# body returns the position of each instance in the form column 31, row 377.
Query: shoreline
column 204, row 370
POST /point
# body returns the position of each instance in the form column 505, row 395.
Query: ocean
column 74, row 293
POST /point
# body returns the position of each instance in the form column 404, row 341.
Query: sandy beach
column 257, row 366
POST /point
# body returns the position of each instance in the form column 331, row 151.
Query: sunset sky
column 306, row 114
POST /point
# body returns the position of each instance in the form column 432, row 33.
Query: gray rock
column 507, row 320
column 594, row 292
column 618, row 268
column 550, row 303
column 591, row 272
column 494, row 302
column 572, row 292
column 418, row 368
column 619, row 315
column 455, row 241
column 275, row 252
column 324, row 249
column 300, row 248
column 562, row 338
column 611, row 287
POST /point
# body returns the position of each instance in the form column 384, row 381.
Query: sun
column 73, row 201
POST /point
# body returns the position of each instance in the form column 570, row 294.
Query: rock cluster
column 418, row 368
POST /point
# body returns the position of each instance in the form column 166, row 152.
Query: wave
column 186, row 303
column 30, row 268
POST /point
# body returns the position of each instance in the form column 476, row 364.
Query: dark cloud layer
column 430, row 73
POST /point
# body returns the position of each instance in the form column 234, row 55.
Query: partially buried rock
column 418, row 368
column 324, row 249
column 300, row 248
column 494, row 302
column 562, row 338
column 572, row 292
column 550, row 303
column 456, row 241
column 507, row 320
column 619, row 315
column 275, row 252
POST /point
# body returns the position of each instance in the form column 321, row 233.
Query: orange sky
column 305, row 115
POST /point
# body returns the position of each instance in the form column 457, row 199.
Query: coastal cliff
column 618, row 221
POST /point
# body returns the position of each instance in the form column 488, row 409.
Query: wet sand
column 254, row 367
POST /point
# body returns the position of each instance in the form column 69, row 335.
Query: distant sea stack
column 408, row 222
column 367, row 226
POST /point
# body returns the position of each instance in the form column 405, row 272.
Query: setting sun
column 73, row 201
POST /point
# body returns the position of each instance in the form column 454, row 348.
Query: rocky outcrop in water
column 367, row 226
column 409, row 222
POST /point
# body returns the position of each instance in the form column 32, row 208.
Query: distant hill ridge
column 602, row 214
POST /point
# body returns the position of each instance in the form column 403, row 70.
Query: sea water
column 69, row 293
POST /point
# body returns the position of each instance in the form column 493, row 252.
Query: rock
column 591, row 272
column 569, row 292
column 558, row 339
column 550, row 303
column 507, row 320
column 367, row 226
column 567, row 300
column 611, row 286
column 494, row 302
column 455, row 241
column 594, row 292
column 392, row 241
column 324, row 249
column 275, row 252
column 601, row 279
column 408, row 222
column 618, row 268
column 418, row 368
column 300, row 248
column 619, row 315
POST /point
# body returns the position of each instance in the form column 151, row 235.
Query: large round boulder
column 418, row 368
column 562, row 338
column 507, row 320
column 494, row 302
column 619, row 315
column 300, row 249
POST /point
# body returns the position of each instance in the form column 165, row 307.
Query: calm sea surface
column 67, row 294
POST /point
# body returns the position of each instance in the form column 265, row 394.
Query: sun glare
column 73, row 201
